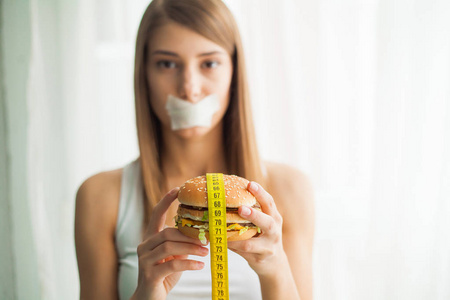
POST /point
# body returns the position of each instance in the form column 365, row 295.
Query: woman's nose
column 190, row 85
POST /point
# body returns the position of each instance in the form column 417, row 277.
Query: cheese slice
column 190, row 222
column 235, row 226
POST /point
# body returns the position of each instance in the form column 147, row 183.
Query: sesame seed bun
column 194, row 192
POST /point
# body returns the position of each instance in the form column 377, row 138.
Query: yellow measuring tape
column 218, row 235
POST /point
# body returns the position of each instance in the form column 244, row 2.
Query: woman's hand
column 163, row 254
column 264, row 253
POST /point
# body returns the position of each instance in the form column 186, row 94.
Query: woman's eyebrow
column 210, row 53
column 165, row 52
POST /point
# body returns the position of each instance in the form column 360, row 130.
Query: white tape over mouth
column 184, row 114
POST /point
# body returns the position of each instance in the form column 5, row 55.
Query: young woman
column 190, row 52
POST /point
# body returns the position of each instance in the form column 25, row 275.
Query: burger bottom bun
column 232, row 235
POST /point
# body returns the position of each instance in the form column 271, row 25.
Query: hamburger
column 192, row 216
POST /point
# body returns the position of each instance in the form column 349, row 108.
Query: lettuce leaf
column 202, row 237
column 205, row 215
column 204, row 226
column 243, row 230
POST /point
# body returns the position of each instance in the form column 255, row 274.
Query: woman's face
column 185, row 64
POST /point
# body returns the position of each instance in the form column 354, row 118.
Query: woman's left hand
column 264, row 253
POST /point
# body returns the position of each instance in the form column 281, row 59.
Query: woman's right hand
column 163, row 254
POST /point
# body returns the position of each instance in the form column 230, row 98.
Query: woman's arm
column 293, row 194
column 95, row 220
column 282, row 254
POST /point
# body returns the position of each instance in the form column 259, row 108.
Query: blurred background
column 355, row 93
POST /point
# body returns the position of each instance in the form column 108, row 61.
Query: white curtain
column 354, row 93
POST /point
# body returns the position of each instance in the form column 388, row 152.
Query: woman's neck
column 183, row 158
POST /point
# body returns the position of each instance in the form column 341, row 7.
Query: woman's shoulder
column 102, row 184
column 97, row 199
column 284, row 178
column 291, row 188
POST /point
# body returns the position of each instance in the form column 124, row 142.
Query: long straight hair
column 213, row 20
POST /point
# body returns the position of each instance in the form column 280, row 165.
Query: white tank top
column 243, row 281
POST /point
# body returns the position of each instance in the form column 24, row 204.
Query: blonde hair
column 213, row 20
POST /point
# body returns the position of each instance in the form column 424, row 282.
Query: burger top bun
column 194, row 193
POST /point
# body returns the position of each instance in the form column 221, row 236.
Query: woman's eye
column 211, row 64
column 166, row 64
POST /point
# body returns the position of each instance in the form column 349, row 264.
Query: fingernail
column 173, row 191
column 245, row 211
column 253, row 186
column 204, row 250
column 200, row 265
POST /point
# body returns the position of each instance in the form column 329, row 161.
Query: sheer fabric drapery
column 354, row 93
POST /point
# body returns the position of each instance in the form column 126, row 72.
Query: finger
column 180, row 256
column 168, row 234
column 165, row 259
column 250, row 246
column 263, row 197
column 168, row 249
column 265, row 222
column 158, row 217
column 176, row 257
column 177, row 265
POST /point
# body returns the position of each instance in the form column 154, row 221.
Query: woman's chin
column 192, row 132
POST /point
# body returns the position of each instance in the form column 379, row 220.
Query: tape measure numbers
column 217, row 213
